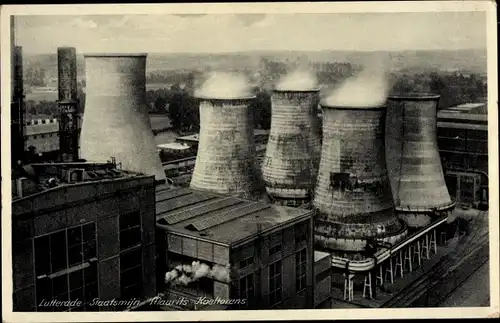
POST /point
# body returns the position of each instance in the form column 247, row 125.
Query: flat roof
column 456, row 125
column 469, row 105
column 173, row 145
column 461, row 116
column 217, row 217
column 196, row 136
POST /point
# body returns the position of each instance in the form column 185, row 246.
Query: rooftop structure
column 34, row 179
column 219, row 218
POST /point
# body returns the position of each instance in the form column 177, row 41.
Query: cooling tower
column 293, row 149
column 413, row 161
column 68, row 105
column 225, row 162
column 116, row 122
column 353, row 198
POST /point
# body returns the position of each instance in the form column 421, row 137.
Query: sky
column 249, row 32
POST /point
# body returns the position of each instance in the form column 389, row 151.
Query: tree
column 160, row 104
column 175, row 109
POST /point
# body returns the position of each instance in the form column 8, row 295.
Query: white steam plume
column 225, row 85
column 298, row 80
column 369, row 88
column 186, row 274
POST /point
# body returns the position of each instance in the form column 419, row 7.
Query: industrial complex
column 265, row 220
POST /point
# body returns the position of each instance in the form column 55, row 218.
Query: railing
column 369, row 264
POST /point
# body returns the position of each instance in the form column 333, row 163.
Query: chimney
column 17, row 104
column 353, row 198
column 225, row 162
column 413, row 160
column 116, row 121
column 293, row 150
column 68, row 104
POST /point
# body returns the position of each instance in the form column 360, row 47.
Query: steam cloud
column 369, row 88
column 298, row 80
column 225, row 85
column 186, row 274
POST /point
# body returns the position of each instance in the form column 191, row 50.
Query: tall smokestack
column 68, row 104
column 353, row 198
column 116, row 122
column 293, row 150
column 225, row 161
column 17, row 103
column 414, row 165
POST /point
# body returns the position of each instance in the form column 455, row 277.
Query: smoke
column 186, row 274
column 298, row 80
column 369, row 88
column 225, row 85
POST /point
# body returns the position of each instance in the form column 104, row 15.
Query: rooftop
column 461, row 117
column 36, row 178
column 196, row 137
column 173, row 146
column 219, row 218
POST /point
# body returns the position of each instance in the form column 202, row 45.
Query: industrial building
column 81, row 231
column 463, row 147
column 266, row 251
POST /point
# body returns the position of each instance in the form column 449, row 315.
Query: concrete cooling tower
column 353, row 198
column 293, row 149
column 413, row 161
column 225, row 162
column 116, row 123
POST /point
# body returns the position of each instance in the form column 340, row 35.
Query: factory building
column 463, row 147
column 258, row 253
column 81, row 231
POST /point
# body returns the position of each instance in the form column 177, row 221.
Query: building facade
column 463, row 147
column 88, row 237
column 264, row 252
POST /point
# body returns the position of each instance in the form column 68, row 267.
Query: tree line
column 182, row 107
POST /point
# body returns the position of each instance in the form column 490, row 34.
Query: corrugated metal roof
column 232, row 214
column 201, row 210
column 462, row 126
column 217, row 217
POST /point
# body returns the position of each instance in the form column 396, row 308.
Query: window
column 275, row 243
column 300, row 270
column 66, row 268
column 275, row 292
column 131, row 273
column 246, row 262
column 300, row 233
column 246, row 290
column 130, row 230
